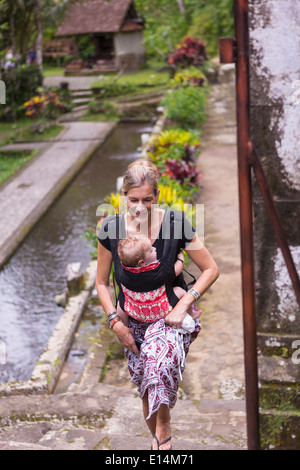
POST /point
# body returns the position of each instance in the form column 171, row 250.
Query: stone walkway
column 75, row 83
column 210, row 413
column 219, row 352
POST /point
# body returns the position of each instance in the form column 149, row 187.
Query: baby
column 138, row 255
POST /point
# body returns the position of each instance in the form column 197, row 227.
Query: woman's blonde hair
column 132, row 250
column 139, row 173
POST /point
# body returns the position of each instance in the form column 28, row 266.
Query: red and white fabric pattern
column 146, row 306
column 161, row 362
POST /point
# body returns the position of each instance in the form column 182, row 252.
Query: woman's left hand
column 175, row 318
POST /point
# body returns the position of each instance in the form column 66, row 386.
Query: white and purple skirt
column 161, row 362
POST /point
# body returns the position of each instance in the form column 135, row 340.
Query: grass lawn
column 97, row 117
column 21, row 129
column 142, row 77
column 50, row 70
column 49, row 133
column 10, row 130
column 12, row 161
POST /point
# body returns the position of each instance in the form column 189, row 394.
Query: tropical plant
column 189, row 77
column 186, row 106
column 168, row 195
column 189, row 52
column 172, row 144
column 185, row 190
column 47, row 104
column 182, row 171
column 115, row 200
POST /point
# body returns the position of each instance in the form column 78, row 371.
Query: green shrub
column 21, row 83
column 186, row 106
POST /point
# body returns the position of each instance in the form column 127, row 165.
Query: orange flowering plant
column 47, row 104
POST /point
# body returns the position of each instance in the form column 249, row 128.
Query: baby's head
column 136, row 251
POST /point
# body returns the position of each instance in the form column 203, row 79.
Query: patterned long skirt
column 159, row 367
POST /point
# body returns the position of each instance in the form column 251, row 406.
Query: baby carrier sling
column 164, row 274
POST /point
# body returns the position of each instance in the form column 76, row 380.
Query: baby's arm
column 178, row 266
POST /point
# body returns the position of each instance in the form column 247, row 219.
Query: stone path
column 210, row 413
column 75, row 83
column 218, row 355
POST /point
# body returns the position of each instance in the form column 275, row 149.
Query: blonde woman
column 169, row 232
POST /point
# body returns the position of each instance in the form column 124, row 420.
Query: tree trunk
column 39, row 39
column 12, row 31
column 181, row 7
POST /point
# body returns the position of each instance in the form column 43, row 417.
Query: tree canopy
column 167, row 23
column 19, row 22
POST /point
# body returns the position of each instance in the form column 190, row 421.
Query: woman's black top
column 175, row 234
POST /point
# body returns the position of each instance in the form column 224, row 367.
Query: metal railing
column 237, row 50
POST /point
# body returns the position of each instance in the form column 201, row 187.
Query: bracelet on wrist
column 111, row 316
column 115, row 320
column 194, row 293
column 111, row 312
column 178, row 259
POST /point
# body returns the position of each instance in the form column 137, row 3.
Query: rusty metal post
column 246, row 220
column 237, row 50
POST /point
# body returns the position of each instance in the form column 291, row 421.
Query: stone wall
column 275, row 129
column 130, row 51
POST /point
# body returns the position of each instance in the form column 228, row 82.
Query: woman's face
column 139, row 201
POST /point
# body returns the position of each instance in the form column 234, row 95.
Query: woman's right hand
column 126, row 337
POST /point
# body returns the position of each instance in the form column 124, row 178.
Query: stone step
column 79, row 101
column 103, row 416
column 81, row 92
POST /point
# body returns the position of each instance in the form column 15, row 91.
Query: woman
column 143, row 216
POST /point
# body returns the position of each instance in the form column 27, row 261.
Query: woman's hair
column 132, row 250
column 139, row 173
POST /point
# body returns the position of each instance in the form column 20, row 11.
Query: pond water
column 36, row 273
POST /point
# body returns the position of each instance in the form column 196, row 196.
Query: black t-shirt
column 171, row 239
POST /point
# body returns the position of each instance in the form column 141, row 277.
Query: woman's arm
column 209, row 274
column 123, row 333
